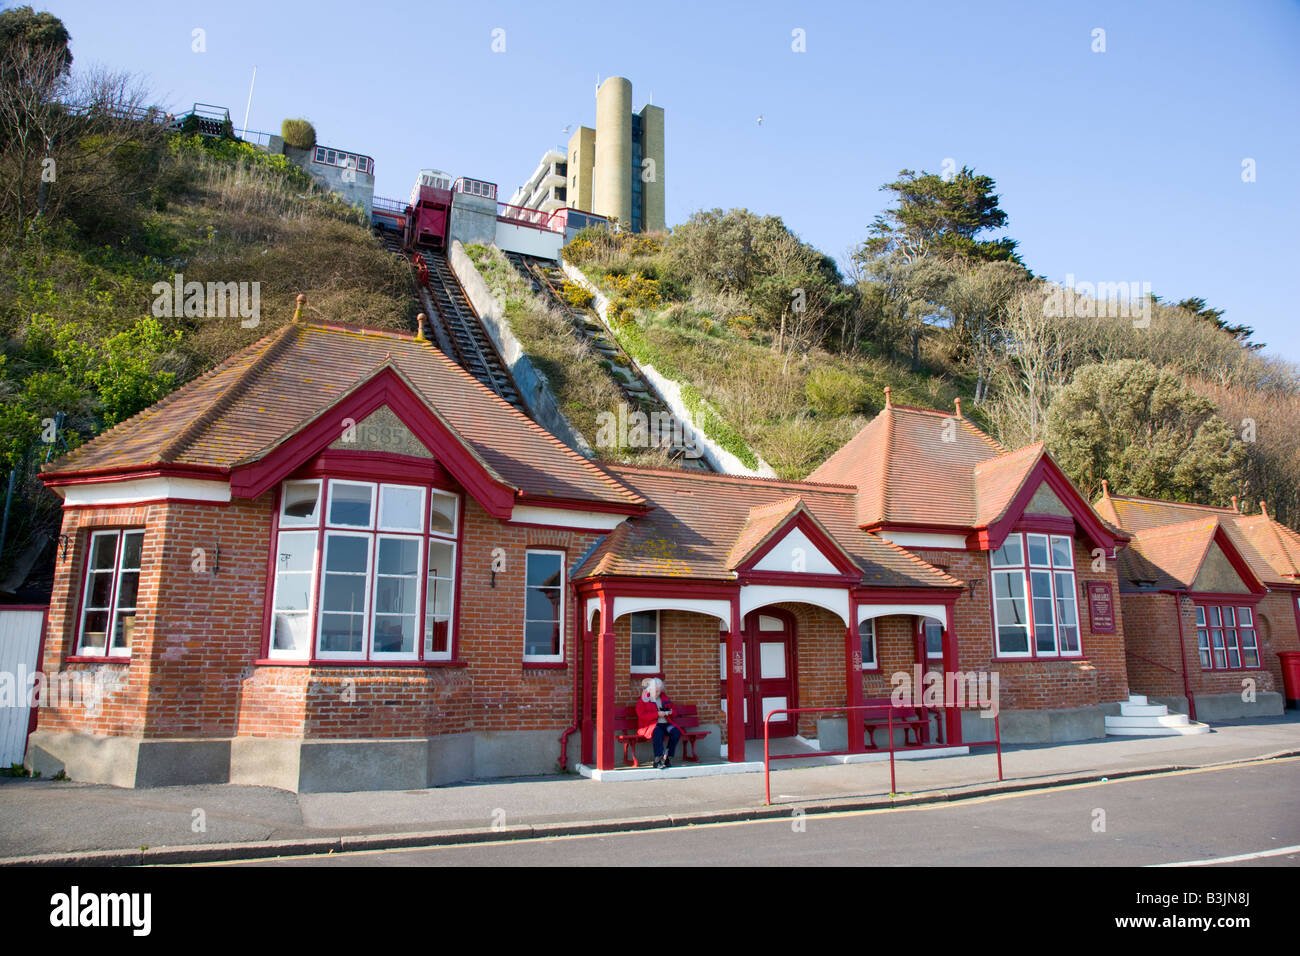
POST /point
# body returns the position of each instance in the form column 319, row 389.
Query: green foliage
column 834, row 392
column 1142, row 428
column 298, row 133
column 577, row 297
column 937, row 216
column 24, row 27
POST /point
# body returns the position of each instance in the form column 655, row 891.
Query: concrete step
column 1187, row 731
column 1163, row 720
column 1143, row 710
column 1151, row 725
column 1137, row 698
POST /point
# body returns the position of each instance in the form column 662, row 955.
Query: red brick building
column 338, row 562
column 1210, row 596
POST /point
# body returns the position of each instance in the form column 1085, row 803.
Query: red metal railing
column 534, row 218
column 768, row 756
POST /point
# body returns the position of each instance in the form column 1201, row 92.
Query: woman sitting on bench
column 654, row 721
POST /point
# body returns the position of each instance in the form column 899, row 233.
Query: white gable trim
column 794, row 544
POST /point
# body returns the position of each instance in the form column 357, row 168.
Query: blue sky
column 1123, row 165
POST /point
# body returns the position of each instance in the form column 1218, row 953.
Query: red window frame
column 1026, row 569
column 1229, row 632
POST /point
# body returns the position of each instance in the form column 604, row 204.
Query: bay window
column 350, row 558
column 544, row 607
column 108, row 603
column 1226, row 637
column 1035, row 608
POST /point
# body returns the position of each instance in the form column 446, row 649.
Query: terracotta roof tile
column 1252, row 536
column 700, row 521
column 255, row 399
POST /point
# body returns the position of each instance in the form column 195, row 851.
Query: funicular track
column 547, row 280
column 457, row 329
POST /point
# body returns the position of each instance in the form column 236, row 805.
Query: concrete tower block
column 613, row 173
column 652, row 148
column 582, row 158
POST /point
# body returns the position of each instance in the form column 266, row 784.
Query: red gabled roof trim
column 1046, row 470
column 386, row 386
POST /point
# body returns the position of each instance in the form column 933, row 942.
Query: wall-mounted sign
column 1101, row 607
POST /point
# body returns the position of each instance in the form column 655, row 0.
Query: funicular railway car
column 429, row 213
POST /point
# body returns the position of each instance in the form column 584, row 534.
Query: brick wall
column 192, row 671
column 1153, row 639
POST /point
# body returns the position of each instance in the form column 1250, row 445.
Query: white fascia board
column 146, row 489
column 566, row 517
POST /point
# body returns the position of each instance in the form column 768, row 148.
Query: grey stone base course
column 1017, row 726
column 302, row 766
column 1212, row 707
column 1036, row 726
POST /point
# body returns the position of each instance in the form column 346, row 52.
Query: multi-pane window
column 108, row 604
column 867, row 643
column 1226, row 637
column 338, row 157
column 645, row 642
column 350, row 559
column 1035, row 608
column 544, row 607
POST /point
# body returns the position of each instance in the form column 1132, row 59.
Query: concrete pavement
column 67, row 822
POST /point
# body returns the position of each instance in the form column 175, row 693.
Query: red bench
column 915, row 721
column 684, row 716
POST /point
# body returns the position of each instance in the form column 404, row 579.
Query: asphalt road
column 1198, row 815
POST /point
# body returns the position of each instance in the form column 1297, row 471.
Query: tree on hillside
column 1200, row 310
column 940, row 217
column 1143, row 428
column 22, row 28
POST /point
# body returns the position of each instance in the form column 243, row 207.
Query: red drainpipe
column 1182, row 650
column 577, row 684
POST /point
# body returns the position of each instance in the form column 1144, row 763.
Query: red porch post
column 853, row 681
column 735, row 688
column 605, row 696
column 951, row 715
column 588, row 686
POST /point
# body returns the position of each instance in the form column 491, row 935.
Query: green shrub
column 298, row 133
column 576, row 296
column 833, row 392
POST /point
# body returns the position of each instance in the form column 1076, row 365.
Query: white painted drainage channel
column 670, row 393
column 1137, row 718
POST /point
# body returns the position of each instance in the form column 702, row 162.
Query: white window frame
column 119, row 551
column 656, row 667
column 425, row 634
column 369, row 538
column 417, row 639
column 874, row 664
column 374, row 533
column 564, row 586
column 310, row 613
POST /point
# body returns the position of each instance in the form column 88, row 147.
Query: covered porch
column 742, row 652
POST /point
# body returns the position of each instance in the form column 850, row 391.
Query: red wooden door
column 769, row 672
